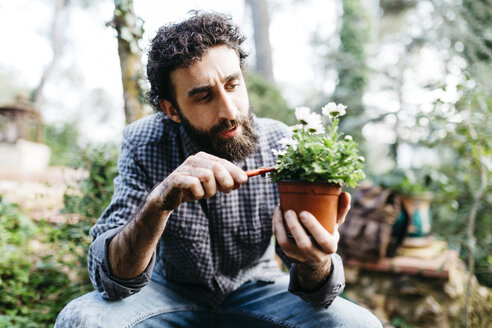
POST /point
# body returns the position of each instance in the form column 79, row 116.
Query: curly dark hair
column 180, row 45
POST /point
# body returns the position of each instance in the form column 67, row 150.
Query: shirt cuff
column 113, row 287
column 326, row 294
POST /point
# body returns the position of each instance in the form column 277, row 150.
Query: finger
column 238, row 175
column 278, row 227
column 336, row 238
column 206, row 177
column 224, row 180
column 191, row 183
column 326, row 241
column 343, row 207
column 178, row 188
column 288, row 246
column 301, row 238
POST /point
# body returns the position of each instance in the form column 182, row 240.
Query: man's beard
column 234, row 149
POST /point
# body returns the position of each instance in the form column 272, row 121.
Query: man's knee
column 81, row 312
column 349, row 314
column 366, row 319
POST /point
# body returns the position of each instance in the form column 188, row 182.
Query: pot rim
column 308, row 182
column 428, row 195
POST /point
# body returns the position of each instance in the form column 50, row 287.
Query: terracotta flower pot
column 320, row 199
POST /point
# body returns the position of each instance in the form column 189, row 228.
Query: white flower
column 314, row 123
column 279, row 152
column 288, row 142
column 311, row 120
column 302, row 113
column 328, row 108
column 348, row 138
column 296, row 127
column 333, row 110
column 341, row 109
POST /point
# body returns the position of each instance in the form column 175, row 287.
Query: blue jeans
column 255, row 304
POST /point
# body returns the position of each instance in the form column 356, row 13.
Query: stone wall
column 420, row 301
column 25, row 156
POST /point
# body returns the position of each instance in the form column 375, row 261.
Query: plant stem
column 301, row 139
column 471, row 240
column 334, row 128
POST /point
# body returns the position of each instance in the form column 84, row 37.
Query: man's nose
column 226, row 108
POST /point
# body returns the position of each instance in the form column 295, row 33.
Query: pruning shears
column 261, row 171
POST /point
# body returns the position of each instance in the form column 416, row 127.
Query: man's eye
column 232, row 86
column 203, row 97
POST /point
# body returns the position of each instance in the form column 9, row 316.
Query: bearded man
column 187, row 239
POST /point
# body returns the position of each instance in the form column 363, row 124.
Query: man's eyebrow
column 233, row 76
column 198, row 90
column 206, row 88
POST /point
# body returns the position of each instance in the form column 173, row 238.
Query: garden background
column 415, row 76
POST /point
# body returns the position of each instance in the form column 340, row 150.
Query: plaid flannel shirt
column 212, row 245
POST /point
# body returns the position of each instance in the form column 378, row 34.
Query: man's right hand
column 200, row 176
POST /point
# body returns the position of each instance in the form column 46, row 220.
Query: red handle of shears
column 261, row 170
column 250, row 173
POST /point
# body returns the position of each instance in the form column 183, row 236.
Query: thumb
column 343, row 207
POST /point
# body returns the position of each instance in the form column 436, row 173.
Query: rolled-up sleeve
column 332, row 287
column 109, row 286
column 131, row 187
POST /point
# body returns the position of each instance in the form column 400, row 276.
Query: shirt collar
column 189, row 147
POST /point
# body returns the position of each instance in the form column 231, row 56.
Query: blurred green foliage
column 42, row 267
column 477, row 14
column 396, row 6
column 93, row 193
column 413, row 181
column 351, row 62
column 457, row 129
column 266, row 99
column 63, row 142
column 399, row 322
column 461, row 132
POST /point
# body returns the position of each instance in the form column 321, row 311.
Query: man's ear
column 169, row 109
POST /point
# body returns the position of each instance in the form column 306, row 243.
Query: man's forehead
column 218, row 63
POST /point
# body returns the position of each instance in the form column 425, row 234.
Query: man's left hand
column 312, row 258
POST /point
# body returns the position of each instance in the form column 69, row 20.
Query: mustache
column 226, row 125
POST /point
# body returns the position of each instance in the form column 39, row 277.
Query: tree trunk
column 129, row 32
column 351, row 60
column 57, row 46
column 263, row 50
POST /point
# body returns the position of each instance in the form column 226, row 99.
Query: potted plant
column 316, row 163
column 414, row 189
